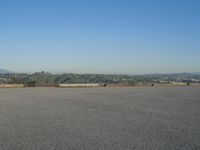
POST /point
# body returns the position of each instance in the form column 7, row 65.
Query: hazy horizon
column 100, row 37
column 153, row 73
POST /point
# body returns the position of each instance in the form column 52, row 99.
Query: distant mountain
column 48, row 78
column 4, row 71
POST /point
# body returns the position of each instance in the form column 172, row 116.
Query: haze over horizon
column 106, row 37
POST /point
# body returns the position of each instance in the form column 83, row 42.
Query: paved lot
column 140, row 118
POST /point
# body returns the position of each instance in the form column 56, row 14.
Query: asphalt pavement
column 141, row 118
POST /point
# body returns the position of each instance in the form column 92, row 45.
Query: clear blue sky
column 104, row 36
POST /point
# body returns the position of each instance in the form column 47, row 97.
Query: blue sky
column 104, row 36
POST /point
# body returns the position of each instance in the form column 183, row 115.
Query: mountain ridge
column 4, row 71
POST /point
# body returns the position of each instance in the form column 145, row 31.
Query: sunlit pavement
column 100, row 118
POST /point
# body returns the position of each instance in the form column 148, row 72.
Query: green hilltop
column 45, row 78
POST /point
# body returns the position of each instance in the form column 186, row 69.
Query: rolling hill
column 4, row 71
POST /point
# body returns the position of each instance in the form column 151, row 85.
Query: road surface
column 143, row 118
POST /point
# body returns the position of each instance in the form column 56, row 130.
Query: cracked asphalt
column 141, row 118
